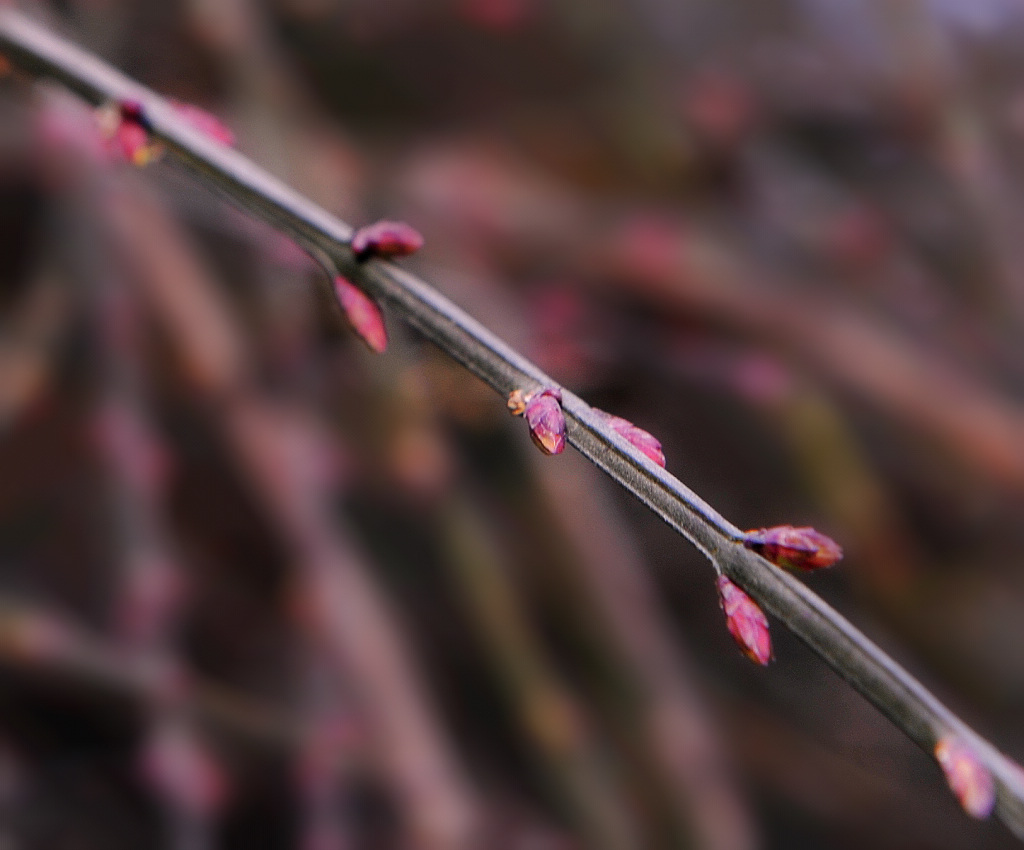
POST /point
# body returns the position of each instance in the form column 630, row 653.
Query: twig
column 549, row 718
column 37, row 640
column 896, row 693
column 284, row 454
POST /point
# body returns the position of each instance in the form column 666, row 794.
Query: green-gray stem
column 892, row 689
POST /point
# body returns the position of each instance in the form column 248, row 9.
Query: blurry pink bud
column 498, row 15
column 129, row 444
column 127, row 130
column 152, row 592
column 180, row 767
column 386, row 239
column 362, row 313
column 639, row 438
column 132, row 142
column 205, row 122
column 720, row 108
column 968, row 778
column 543, row 412
column 746, row 621
column 795, row 548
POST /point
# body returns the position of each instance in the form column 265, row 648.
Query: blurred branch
column 38, row 641
column 289, row 459
column 904, row 700
column 612, row 600
column 548, row 716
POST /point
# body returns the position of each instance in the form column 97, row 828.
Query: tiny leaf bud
column 362, row 313
column 543, row 412
column 747, row 623
column 386, row 239
column 794, row 548
column 643, row 441
column 968, row 778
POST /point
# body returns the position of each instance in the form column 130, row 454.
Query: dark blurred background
column 262, row 589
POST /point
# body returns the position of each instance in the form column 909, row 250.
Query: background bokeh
column 260, row 588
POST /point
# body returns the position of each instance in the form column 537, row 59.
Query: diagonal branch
column 864, row 665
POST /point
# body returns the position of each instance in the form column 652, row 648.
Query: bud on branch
column 386, row 239
column 639, row 438
column 968, row 778
column 746, row 621
column 794, row 548
column 362, row 313
column 543, row 413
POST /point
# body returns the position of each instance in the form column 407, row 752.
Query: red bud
column 746, row 622
column 968, row 778
column 638, row 437
column 386, row 239
column 362, row 313
column 543, row 412
column 127, row 131
column 795, row 548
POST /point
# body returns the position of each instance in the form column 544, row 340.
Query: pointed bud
column 746, row 622
column 794, row 548
column 543, row 412
column 968, row 778
column 386, row 239
column 362, row 313
column 205, row 122
column 127, row 130
column 639, row 438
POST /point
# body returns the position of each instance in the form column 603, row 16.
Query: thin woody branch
column 894, row 691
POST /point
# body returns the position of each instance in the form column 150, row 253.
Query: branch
column 894, row 691
column 36, row 640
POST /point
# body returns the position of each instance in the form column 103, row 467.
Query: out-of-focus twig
column 901, row 697
column 548, row 717
column 665, row 711
column 33, row 640
column 287, row 457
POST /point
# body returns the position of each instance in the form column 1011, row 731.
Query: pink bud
column 132, row 142
column 498, row 15
column 178, row 765
column 205, row 122
column 746, row 621
column 639, row 438
column 362, row 313
column 127, row 131
column 968, row 778
column 795, row 548
column 132, row 447
column 543, row 412
column 386, row 239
